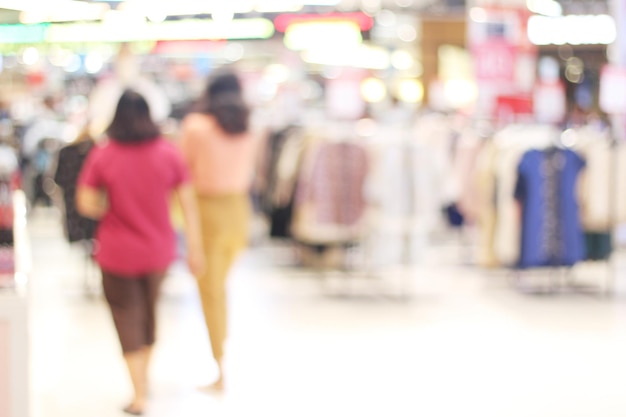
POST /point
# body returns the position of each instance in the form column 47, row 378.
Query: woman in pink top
column 126, row 183
column 220, row 152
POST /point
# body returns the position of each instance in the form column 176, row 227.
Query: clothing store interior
column 432, row 195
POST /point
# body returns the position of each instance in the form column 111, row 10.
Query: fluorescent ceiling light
column 321, row 3
column 316, row 35
column 185, row 7
column 175, row 30
column 545, row 7
column 36, row 11
column 78, row 11
column 39, row 5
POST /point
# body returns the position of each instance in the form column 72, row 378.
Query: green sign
column 11, row 34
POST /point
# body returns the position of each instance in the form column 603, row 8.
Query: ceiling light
column 404, row 3
column 223, row 16
column 30, row 56
column 478, row 14
column 373, row 90
column 545, row 7
column 74, row 63
column 94, row 62
column 402, row 60
column 407, row 33
column 156, row 16
column 312, row 35
column 410, row 91
column 59, row 11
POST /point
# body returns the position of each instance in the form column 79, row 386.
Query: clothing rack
column 557, row 280
column 404, row 232
column 355, row 265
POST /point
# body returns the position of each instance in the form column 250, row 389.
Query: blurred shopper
column 68, row 166
column 220, row 151
column 41, row 141
column 126, row 183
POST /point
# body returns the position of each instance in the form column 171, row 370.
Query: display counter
column 14, row 328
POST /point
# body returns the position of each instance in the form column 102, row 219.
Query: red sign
column 509, row 108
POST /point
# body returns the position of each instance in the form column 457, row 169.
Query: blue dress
column 546, row 188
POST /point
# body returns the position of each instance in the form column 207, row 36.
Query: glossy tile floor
column 464, row 343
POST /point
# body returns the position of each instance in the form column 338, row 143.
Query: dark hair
column 223, row 99
column 132, row 121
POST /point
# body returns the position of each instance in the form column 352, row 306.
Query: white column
column 618, row 57
column 618, row 10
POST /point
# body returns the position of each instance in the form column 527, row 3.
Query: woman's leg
column 225, row 229
column 213, row 295
column 212, row 287
column 137, row 364
column 133, row 305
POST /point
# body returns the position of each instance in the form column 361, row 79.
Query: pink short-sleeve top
column 220, row 163
column 135, row 236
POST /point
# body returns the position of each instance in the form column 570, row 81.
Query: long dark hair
column 223, row 99
column 132, row 122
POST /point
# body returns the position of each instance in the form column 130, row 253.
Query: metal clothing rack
column 560, row 280
column 91, row 275
column 351, row 268
column 350, row 272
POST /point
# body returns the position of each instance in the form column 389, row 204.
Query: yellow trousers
column 225, row 226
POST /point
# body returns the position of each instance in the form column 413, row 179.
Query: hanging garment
column 69, row 164
column 546, row 188
column 485, row 184
column 603, row 183
column 285, row 175
column 330, row 200
column 402, row 197
column 267, row 171
column 512, row 143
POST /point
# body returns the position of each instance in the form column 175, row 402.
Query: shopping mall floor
column 463, row 342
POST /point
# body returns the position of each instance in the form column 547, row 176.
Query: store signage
column 22, row 33
column 495, row 60
column 612, row 88
column 504, row 60
column 572, row 29
column 510, row 107
column 284, row 21
column 620, row 45
column 192, row 29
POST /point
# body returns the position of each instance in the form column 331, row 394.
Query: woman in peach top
column 220, row 152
